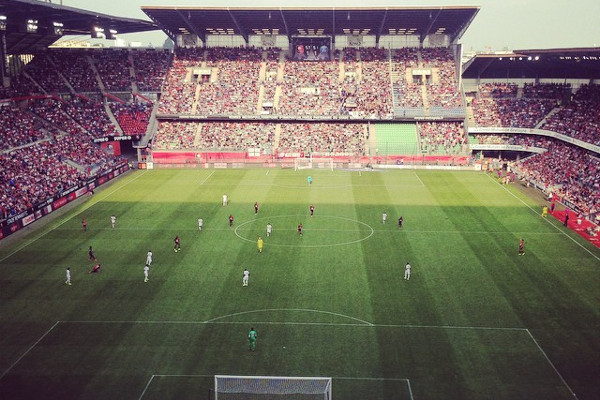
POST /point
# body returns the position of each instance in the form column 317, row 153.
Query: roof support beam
column 463, row 28
column 188, row 22
column 428, row 29
column 380, row 30
column 484, row 68
column 287, row 29
column 242, row 31
column 166, row 30
column 11, row 48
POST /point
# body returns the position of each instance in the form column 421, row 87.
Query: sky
column 499, row 25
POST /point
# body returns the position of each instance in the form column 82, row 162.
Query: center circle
column 318, row 231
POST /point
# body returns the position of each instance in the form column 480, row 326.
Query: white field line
column 86, row 206
column 28, row 350
column 147, row 386
column 267, row 173
column 551, row 364
column 394, row 231
column 283, row 323
column 205, row 179
column 419, row 178
column 547, row 220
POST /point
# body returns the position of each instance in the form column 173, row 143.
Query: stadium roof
column 290, row 21
column 75, row 22
column 570, row 63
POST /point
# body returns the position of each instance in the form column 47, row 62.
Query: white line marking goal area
column 416, row 354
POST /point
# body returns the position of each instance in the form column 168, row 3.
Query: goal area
column 232, row 387
column 313, row 163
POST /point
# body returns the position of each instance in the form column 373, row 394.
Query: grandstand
column 360, row 89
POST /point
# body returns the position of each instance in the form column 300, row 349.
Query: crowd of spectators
column 19, row 86
column 236, row 136
column 91, row 116
column 75, row 66
column 407, row 92
column 150, row 68
column 310, row 89
column 46, row 75
column 175, row 136
column 498, row 90
column 18, row 127
column 441, row 91
column 571, row 172
column 325, row 139
column 114, row 68
column 442, row 137
column 32, row 174
column 556, row 91
column 579, row 118
column 511, row 112
column 133, row 118
column 54, row 112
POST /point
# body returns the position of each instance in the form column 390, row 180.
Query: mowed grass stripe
column 461, row 232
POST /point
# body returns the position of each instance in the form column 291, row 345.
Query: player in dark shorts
column 177, row 245
column 312, row 210
column 84, row 224
column 91, row 254
column 255, row 208
column 400, row 221
column 230, row 219
column 300, row 229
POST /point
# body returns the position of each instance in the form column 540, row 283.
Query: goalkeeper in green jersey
column 252, row 335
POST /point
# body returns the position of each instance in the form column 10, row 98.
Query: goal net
column 310, row 163
column 230, row 387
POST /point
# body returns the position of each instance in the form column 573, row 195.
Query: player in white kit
column 269, row 229
column 245, row 277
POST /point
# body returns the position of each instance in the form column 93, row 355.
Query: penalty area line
column 205, row 179
column 146, row 388
column 551, row 364
column 29, row 349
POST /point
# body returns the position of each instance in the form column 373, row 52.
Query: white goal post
column 312, row 162
column 228, row 387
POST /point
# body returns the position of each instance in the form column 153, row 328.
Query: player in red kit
column 230, row 219
column 84, row 224
column 521, row 247
column 256, row 208
column 177, row 245
column 96, row 269
column 312, row 210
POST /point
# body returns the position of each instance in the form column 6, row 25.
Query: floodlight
column 112, row 34
column 58, row 28
column 537, row 58
column 98, row 32
column 2, row 22
column 32, row 25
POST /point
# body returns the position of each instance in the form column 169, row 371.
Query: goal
column 229, row 387
column 310, row 163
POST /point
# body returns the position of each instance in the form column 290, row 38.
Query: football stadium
column 294, row 203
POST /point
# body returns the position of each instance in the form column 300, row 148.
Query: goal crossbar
column 313, row 163
column 292, row 387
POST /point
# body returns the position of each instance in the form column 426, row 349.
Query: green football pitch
column 475, row 320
